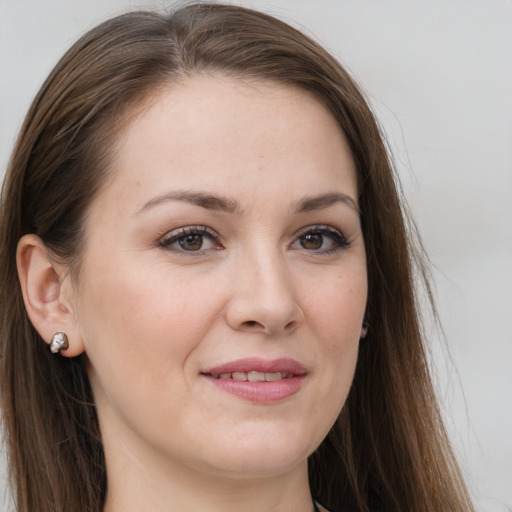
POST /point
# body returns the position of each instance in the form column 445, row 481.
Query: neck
column 134, row 485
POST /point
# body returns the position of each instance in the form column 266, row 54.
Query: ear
column 46, row 289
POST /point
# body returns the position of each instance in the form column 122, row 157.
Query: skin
column 152, row 317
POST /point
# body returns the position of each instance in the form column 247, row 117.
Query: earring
column 364, row 331
column 59, row 342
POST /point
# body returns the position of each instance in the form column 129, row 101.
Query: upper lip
column 283, row 365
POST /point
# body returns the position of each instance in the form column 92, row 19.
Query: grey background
column 439, row 75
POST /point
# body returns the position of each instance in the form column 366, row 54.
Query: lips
column 254, row 376
column 284, row 365
column 258, row 380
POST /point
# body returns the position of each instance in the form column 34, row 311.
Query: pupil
column 312, row 241
column 191, row 242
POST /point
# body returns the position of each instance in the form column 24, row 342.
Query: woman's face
column 224, row 280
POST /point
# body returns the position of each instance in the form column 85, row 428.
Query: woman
column 213, row 307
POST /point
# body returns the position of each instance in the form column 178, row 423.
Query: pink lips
column 258, row 380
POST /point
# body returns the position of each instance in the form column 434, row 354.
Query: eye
column 190, row 239
column 320, row 239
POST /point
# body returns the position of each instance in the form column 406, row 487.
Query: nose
column 264, row 298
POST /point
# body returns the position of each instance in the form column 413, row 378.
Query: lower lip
column 260, row 392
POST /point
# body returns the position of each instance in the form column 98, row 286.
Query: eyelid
column 322, row 228
column 339, row 241
column 338, row 237
column 172, row 236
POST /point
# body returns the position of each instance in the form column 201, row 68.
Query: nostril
column 289, row 326
column 253, row 325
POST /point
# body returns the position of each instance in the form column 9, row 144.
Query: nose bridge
column 270, row 275
column 263, row 296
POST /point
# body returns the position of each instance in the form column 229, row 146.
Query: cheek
column 337, row 311
column 152, row 314
column 136, row 325
column 336, row 307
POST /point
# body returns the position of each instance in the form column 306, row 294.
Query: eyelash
column 340, row 242
column 338, row 238
column 180, row 234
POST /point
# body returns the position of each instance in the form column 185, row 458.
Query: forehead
column 232, row 135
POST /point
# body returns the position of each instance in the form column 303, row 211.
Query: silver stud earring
column 59, row 342
column 364, row 331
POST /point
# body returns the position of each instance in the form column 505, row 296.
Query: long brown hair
column 388, row 449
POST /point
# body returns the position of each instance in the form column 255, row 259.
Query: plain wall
column 439, row 75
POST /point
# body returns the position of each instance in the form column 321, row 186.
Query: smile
column 257, row 380
column 254, row 376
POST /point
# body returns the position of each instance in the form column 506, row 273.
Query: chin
column 244, row 467
column 262, row 455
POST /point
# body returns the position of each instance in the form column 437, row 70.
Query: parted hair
column 388, row 450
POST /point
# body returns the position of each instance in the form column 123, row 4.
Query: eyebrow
column 309, row 204
column 207, row 201
column 227, row 205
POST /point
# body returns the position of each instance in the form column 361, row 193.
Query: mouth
column 258, row 380
column 253, row 376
